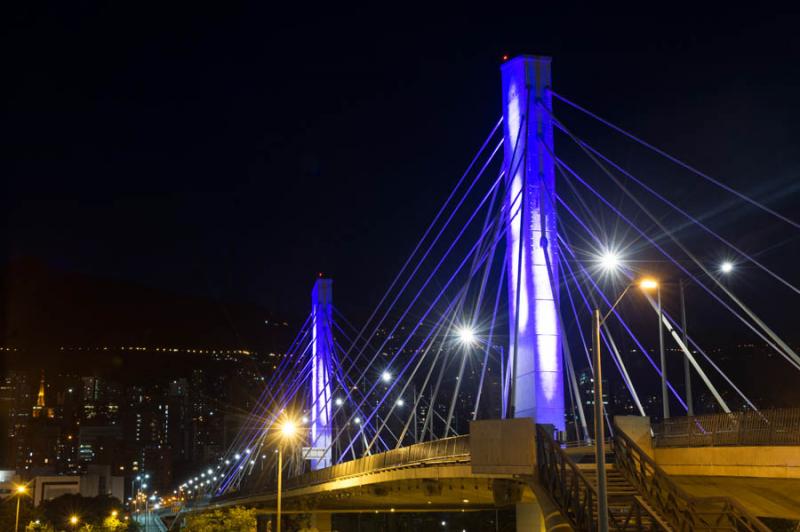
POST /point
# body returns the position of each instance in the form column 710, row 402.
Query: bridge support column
column 529, row 517
column 263, row 522
column 322, row 347
column 535, row 340
column 322, row 521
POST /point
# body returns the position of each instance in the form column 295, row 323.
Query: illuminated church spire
column 40, row 402
column 40, row 396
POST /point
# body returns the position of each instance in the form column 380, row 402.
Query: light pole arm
column 607, row 314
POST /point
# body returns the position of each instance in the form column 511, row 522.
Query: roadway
column 769, row 497
column 149, row 522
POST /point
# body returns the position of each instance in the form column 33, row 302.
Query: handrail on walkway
column 764, row 427
column 683, row 511
column 576, row 495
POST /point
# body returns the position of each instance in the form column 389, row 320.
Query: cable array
column 437, row 350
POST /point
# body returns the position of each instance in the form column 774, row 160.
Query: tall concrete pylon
column 535, row 340
column 322, row 357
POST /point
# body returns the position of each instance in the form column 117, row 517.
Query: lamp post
column 288, row 430
column 21, row 490
column 599, row 428
column 133, row 490
column 687, row 370
column 134, row 493
column 662, row 355
column 280, row 488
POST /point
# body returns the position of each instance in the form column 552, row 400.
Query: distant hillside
column 44, row 309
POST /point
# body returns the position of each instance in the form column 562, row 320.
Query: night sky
column 234, row 152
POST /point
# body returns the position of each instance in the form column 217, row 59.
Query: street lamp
column 73, row 520
column 20, row 490
column 288, row 431
column 609, row 261
column 466, row 335
column 661, row 353
column 599, row 429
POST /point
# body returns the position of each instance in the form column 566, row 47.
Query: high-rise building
column 15, row 402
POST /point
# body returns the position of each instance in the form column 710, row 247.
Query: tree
column 93, row 512
column 113, row 524
column 8, row 510
column 236, row 519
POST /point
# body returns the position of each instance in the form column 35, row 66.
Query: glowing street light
column 73, row 520
column 339, row 401
column 386, row 376
column 400, row 402
column 21, row 490
column 609, row 261
column 726, row 267
column 466, row 335
column 648, row 283
column 288, row 430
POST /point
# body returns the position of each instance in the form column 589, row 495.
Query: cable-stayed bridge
column 460, row 389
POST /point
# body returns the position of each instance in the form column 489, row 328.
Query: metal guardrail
column 418, row 454
column 765, row 427
column 445, row 450
column 576, row 495
column 681, row 510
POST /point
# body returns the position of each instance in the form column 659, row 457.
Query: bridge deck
column 773, row 497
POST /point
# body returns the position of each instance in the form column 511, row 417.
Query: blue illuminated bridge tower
column 321, row 365
column 529, row 168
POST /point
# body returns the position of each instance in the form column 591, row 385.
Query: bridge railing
column 455, row 448
column 766, row 427
column 576, row 494
column 680, row 509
